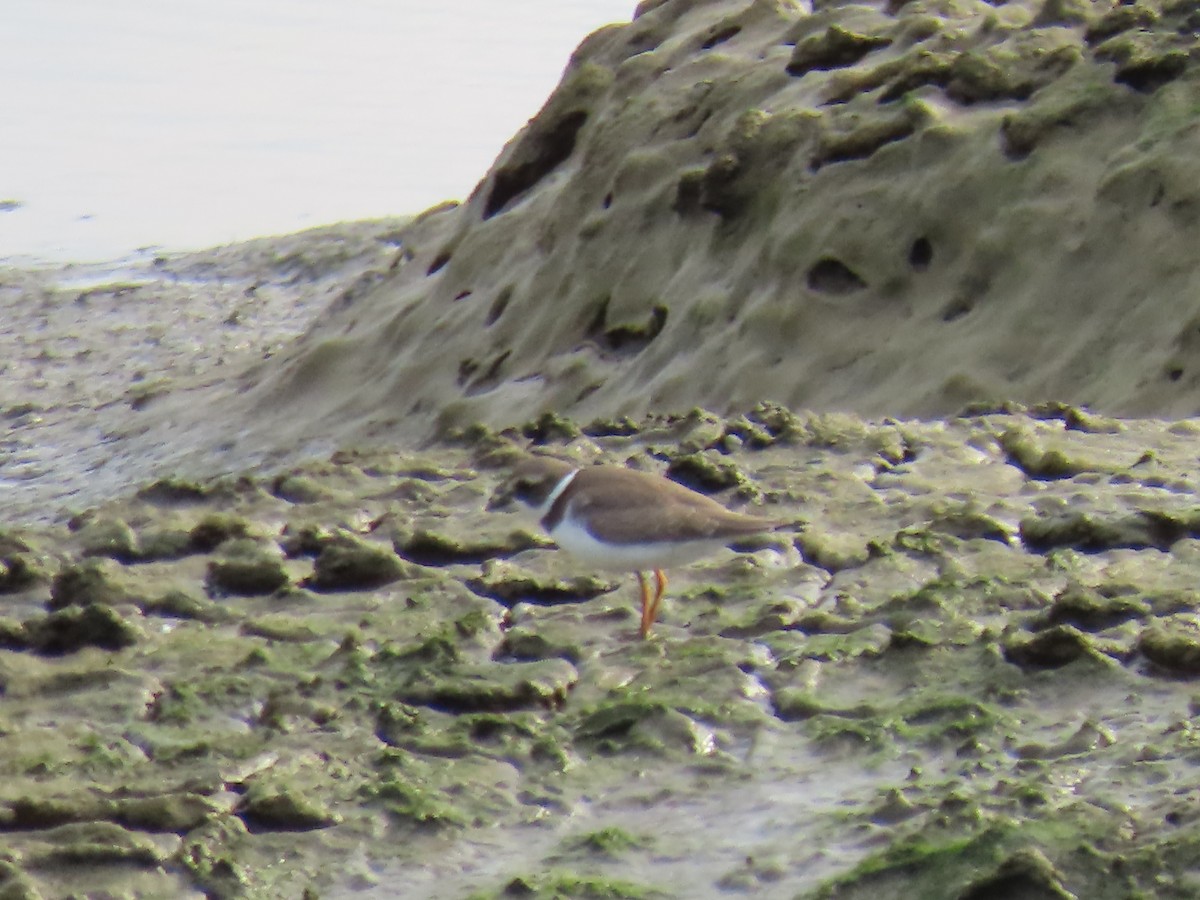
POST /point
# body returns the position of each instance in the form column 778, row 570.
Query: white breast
column 571, row 536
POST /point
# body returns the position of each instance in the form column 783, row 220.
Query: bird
column 617, row 518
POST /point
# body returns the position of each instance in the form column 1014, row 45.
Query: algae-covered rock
column 1028, row 453
column 246, row 569
column 20, row 570
column 102, row 843
column 15, row 884
column 178, row 813
column 705, row 472
column 494, row 688
column 166, row 543
column 12, row 634
column 1083, row 740
column 859, row 641
column 835, row 48
column 640, row 724
column 268, row 807
column 832, row 551
column 183, row 605
column 1090, row 610
column 211, row 855
column 306, row 539
column 109, row 537
column 1145, row 61
column 1026, row 873
column 175, row 492
column 86, row 583
column 417, row 804
column 779, row 615
column 550, row 427
column 1049, row 648
column 216, row 528
column 351, row 565
column 299, row 488
column 76, row 627
column 27, row 811
column 434, row 548
column 1014, row 68
column 967, row 522
column 1094, row 532
column 396, row 724
column 509, row 585
column 1173, row 645
column 795, row 704
column 525, row 645
column 572, row 884
column 281, row 628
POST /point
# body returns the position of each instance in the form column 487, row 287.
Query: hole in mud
column 835, row 50
column 462, row 295
column 438, row 263
column 861, row 144
column 466, row 368
column 720, row 35
column 499, row 305
column 608, row 199
column 920, row 254
column 642, row 42
column 626, row 339
column 542, row 151
column 832, row 276
column 1175, row 373
column 491, row 377
column 1148, row 77
column 1017, row 143
column 523, row 590
column 588, row 391
column 434, row 550
column 956, row 309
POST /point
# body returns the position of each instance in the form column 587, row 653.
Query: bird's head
column 531, row 483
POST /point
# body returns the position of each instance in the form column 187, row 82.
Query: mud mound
column 886, row 209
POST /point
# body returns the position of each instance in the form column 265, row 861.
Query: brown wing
column 632, row 510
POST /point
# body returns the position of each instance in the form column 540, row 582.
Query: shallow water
column 196, row 123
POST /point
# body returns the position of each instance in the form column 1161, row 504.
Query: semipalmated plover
column 618, row 518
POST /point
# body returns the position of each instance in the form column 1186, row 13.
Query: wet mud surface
column 87, row 350
column 966, row 670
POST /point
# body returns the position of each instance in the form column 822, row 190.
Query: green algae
column 19, row 569
column 513, row 686
column 109, row 537
column 69, row 630
column 347, row 564
column 281, row 807
column 611, row 842
column 245, row 567
column 89, row 582
column 563, row 885
column 415, row 804
column 950, row 650
column 211, row 853
column 1173, row 646
column 215, row 528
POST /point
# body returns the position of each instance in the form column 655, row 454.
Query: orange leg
column 650, row 607
column 646, row 621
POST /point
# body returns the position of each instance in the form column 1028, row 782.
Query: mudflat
column 967, row 665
